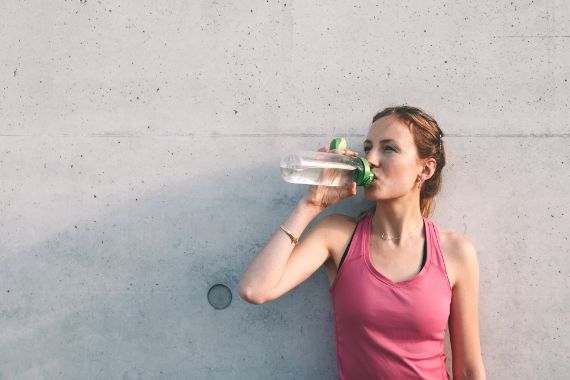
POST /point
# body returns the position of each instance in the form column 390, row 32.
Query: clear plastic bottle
column 325, row 168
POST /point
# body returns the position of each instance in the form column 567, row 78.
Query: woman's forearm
column 471, row 374
column 268, row 266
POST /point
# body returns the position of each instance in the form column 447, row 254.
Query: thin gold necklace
column 386, row 236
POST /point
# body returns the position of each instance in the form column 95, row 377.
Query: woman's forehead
column 390, row 127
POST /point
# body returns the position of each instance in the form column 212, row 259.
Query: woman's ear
column 428, row 168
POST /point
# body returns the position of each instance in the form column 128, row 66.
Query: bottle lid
column 364, row 177
column 338, row 143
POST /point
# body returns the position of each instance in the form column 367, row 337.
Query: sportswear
column 385, row 329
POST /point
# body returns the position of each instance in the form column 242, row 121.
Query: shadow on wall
column 124, row 295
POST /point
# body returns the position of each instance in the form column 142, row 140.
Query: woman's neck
column 397, row 222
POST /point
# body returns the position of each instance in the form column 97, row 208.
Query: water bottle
column 326, row 169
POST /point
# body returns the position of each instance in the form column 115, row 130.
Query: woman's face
column 393, row 157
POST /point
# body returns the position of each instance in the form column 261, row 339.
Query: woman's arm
column 280, row 266
column 464, row 319
column 269, row 265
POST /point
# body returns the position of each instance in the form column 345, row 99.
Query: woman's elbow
column 250, row 297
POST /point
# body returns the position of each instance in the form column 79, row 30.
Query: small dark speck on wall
column 235, row 112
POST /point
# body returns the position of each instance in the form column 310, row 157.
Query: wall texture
column 139, row 150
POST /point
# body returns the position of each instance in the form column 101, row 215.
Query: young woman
column 396, row 278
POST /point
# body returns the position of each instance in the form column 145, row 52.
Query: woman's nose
column 372, row 158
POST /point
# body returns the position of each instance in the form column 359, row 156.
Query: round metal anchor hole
column 219, row 296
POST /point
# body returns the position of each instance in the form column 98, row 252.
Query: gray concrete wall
column 139, row 147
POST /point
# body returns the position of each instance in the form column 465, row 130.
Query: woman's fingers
column 345, row 152
column 326, row 196
column 350, row 190
column 344, row 192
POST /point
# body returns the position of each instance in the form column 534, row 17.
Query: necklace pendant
column 385, row 236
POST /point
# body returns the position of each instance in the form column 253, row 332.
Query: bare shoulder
column 338, row 220
column 336, row 226
column 459, row 253
column 337, row 230
column 459, row 244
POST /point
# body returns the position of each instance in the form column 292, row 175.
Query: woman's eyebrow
column 381, row 141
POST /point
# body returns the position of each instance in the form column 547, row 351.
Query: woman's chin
column 370, row 195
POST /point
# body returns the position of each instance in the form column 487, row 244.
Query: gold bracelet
column 294, row 240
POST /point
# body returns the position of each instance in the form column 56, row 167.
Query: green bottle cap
column 364, row 177
column 338, row 143
column 361, row 177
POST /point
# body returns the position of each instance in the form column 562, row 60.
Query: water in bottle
column 325, row 168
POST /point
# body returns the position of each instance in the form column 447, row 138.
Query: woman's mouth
column 374, row 182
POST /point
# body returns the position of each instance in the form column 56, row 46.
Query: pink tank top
column 385, row 329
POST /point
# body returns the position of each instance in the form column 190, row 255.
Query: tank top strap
column 359, row 240
column 362, row 237
column 365, row 230
column 435, row 245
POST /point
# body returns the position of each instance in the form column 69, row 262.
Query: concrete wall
column 139, row 146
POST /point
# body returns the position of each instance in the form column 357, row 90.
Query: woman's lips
column 375, row 182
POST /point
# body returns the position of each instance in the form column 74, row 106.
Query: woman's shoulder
column 459, row 253
column 339, row 229
column 339, row 222
column 333, row 229
column 458, row 245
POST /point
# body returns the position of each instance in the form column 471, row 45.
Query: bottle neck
column 363, row 175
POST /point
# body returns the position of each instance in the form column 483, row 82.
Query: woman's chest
column 418, row 310
column 398, row 264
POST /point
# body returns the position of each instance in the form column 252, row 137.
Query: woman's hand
column 325, row 196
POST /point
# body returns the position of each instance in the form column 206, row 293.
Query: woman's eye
column 389, row 148
column 366, row 149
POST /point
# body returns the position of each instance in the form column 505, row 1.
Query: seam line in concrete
column 535, row 36
column 215, row 135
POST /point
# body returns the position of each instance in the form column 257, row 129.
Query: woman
column 396, row 278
